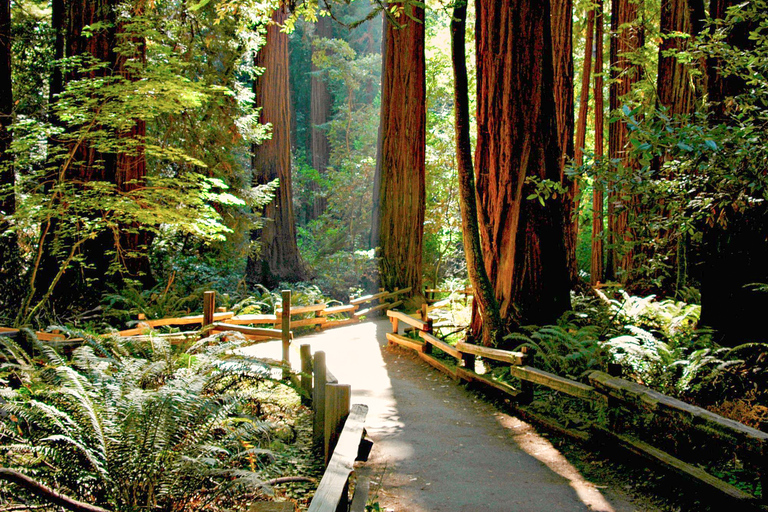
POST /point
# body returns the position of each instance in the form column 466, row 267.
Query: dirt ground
column 439, row 447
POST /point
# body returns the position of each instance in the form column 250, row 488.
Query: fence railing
column 339, row 431
column 616, row 393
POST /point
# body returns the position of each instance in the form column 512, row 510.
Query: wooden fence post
column 614, row 413
column 286, row 326
column 526, row 397
column 209, row 306
column 318, row 398
column 306, row 374
column 337, row 401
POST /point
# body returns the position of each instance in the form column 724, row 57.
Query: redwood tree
column 9, row 261
column 627, row 36
column 278, row 260
column 596, row 267
column 523, row 241
column 320, row 99
column 399, row 192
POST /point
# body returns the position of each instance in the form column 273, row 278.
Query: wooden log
column 505, row 356
column 439, row 304
column 318, row 398
column 641, row 396
column 526, row 388
column 448, row 349
column 395, row 325
column 368, row 298
column 552, row 381
column 337, row 400
column 438, row 365
column 347, row 308
column 298, row 310
column 209, row 307
column 407, row 319
column 286, row 326
column 250, row 337
column 676, row 465
column 471, row 376
column 253, row 331
column 397, row 292
column 306, row 373
column 405, row 342
column 379, row 307
column 318, row 320
column 252, row 319
column 188, row 320
column 329, row 491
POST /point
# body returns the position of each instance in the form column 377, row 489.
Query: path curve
column 440, row 448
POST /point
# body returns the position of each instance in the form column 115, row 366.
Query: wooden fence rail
column 339, row 432
column 750, row 443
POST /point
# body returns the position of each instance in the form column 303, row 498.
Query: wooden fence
column 616, row 393
column 339, row 431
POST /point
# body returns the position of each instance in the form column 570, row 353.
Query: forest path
column 440, row 448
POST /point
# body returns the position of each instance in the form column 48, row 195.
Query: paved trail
column 439, row 448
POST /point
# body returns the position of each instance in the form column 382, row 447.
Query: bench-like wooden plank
column 373, row 309
column 505, row 356
column 470, row 376
column 397, row 292
column 318, row 320
column 186, row 320
column 437, row 342
column 405, row 342
column 253, row 331
column 252, row 319
column 552, row 381
column 678, row 466
column 299, row 310
column 368, row 298
column 439, row 304
column 641, row 396
column 335, row 310
column 332, row 485
column 414, row 322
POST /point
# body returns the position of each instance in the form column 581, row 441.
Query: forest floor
column 439, row 447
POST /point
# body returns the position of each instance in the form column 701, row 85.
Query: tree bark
column 523, row 242
column 484, row 297
column 627, row 36
column 10, row 263
column 279, row 258
column 321, row 111
column 598, row 254
column 674, row 84
column 562, row 57
column 399, row 194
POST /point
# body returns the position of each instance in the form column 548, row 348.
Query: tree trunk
column 10, row 263
column 484, row 297
column 562, row 57
column 397, row 228
column 674, row 83
column 279, row 258
column 598, row 255
column 523, row 242
column 627, row 36
column 321, row 112
column 734, row 255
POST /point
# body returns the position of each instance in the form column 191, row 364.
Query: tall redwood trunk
column 627, row 36
column 597, row 272
column 484, row 300
column 733, row 254
column 674, row 82
column 517, row 137
column 562, row 58
column 279, row 258
column 9, row 254
column 321, row 111
column 399, row 195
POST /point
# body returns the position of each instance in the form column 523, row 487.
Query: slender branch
column 289, row 479
column 47, row 493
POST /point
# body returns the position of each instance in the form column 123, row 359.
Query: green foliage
column 130, row 424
